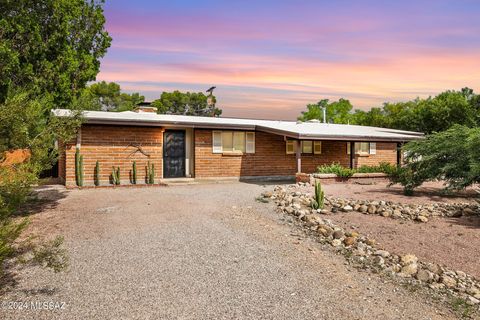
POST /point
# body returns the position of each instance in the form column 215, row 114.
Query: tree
column 52, row 47
column 189, row 103
column 337, row 111
column 433, row 114
column 110, row 98
column 452, row 156
column 23, row 125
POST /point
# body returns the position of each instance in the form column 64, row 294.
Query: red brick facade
column 116, row 145
column 270, row 158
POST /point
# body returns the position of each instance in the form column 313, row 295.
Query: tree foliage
column 109, row 97
column 432, row 114
column 189, row 103
column 52, row 47
column 336, row 112
column 452, row 156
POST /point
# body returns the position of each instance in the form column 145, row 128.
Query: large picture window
column 307, row 147
column 233, row 142
column 363, row 148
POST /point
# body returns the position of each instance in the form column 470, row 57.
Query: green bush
column 340, row 171
column 337, row 169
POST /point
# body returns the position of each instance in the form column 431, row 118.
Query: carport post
column 352, row 154
column 298, row 156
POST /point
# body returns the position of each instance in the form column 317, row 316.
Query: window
column 233, row 141
column 307, row 147
column 317, row 147
column 363, row 148
column 291, row 146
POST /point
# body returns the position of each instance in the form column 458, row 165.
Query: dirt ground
column 454, row 242
column 197, row 252
column 429, row 192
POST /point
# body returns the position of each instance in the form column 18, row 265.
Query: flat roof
column 292, row 129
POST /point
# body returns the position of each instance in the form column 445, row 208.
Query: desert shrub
column 15, row 185
column 452, row 156
column 383, row 167
column 337, row 169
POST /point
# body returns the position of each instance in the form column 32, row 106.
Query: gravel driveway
column 205, row 251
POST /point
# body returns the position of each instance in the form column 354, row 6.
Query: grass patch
column 461, row 306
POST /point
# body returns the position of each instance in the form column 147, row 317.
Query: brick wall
column 270, row 157
column 386, row 152
column 110, row 146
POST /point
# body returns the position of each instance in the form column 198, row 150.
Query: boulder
column 347, row 208
column 424, row 275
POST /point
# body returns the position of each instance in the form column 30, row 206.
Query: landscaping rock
column 408, row 259
column 347, row 208
column 338, row 234
column 424, row 275
column 349, row 241
column 449, row 281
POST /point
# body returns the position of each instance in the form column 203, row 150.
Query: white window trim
column 292, row 144
column 217, row 147
column 249, row 142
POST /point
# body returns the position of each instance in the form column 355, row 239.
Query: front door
column 173, row 154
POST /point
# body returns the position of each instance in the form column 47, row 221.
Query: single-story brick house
column 208, row 147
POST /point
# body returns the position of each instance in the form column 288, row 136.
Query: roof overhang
column 289, row 129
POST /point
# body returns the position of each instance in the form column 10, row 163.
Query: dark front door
column 173, row 154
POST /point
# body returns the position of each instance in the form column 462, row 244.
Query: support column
column 298, row 156
column 352, row 155
column 399, row 154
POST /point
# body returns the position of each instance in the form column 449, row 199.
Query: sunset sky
column 269, row 59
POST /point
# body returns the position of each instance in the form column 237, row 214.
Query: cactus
column 150, row 173
column 78, row 168
column 134, row 172
column 97, row 174
column 319, row 201
column 116, row 175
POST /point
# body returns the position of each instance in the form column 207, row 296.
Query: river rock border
column 365, row 253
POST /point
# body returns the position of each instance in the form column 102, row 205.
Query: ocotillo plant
column 150, row 173
column 319, row 201
column 134, row 172
column 78, row 168
column 97, row 174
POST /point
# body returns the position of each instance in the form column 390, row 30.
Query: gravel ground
column 198, row 252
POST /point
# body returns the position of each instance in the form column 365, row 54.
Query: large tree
column 336, row 111
column 110, row 97
column 52, row 47
column 189, row 103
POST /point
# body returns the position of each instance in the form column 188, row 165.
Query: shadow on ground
column 43, row 198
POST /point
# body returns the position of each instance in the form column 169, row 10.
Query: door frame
column 184, row 152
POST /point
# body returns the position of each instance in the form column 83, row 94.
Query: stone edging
column 365, row 253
